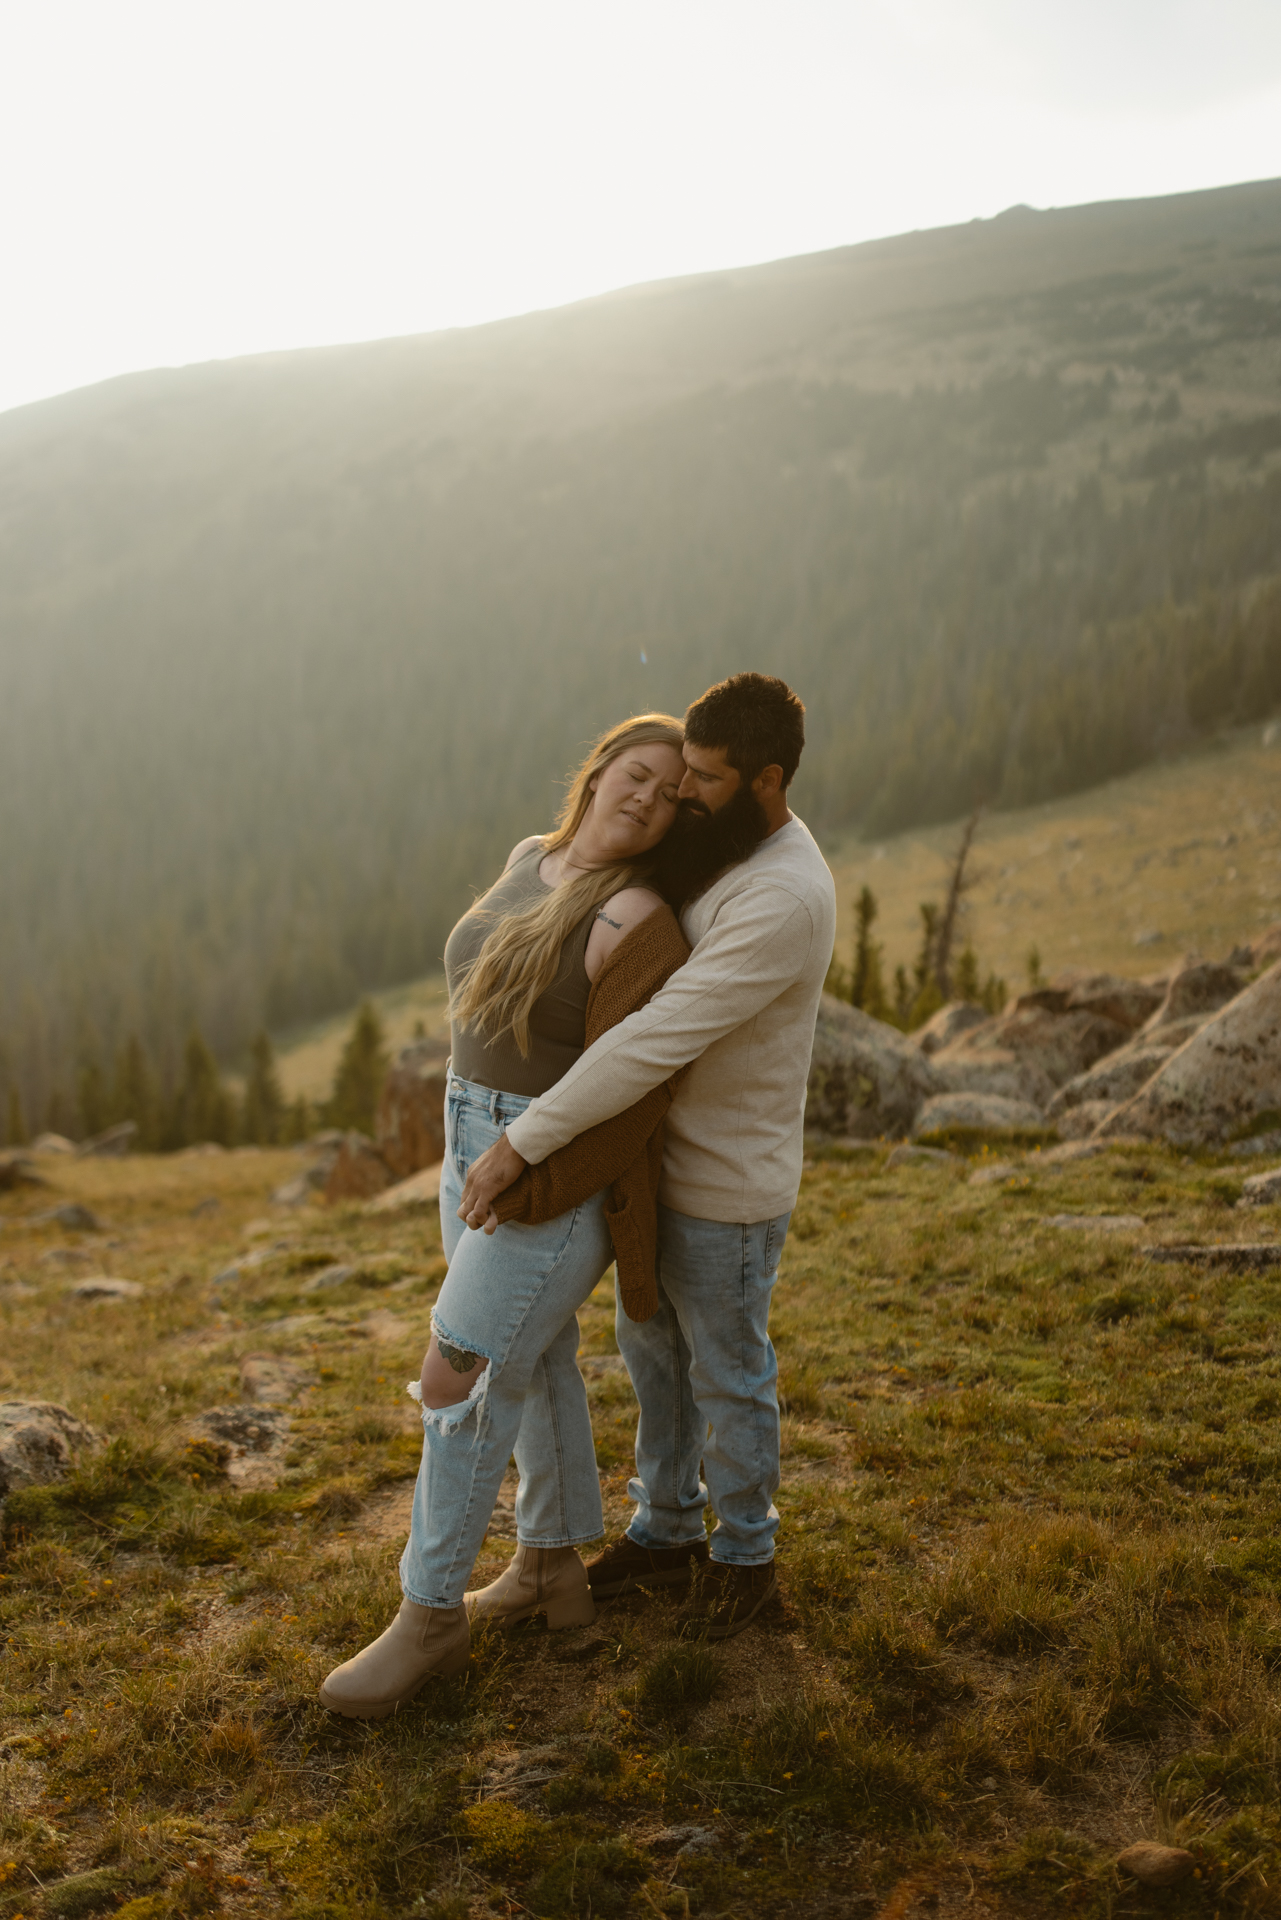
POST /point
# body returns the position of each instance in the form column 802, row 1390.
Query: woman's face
column 634, row 800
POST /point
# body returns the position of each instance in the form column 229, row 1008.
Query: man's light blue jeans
column 704, row 1360
column 512, row 1296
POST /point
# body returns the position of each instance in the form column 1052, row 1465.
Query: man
column 742, row 1010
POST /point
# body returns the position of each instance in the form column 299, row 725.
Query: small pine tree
column 966, row 984
column 903, row 997
column 875, row 1000
column 298, row 1121
column 867, row 989
column 17, row 1126
column 837, row 981
column 361, row 1071
column 995, row 994
column 133, row 1095
column 202, row 1109
column 1035, row 977
column 923, row 966
column 926, row 997
column 262, row 1117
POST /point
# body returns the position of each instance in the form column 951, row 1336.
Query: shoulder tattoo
column 616, row 924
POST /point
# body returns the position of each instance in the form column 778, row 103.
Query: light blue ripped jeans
column 707, row 1381
column 512, row 1296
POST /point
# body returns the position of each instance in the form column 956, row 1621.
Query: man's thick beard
column 698, row 845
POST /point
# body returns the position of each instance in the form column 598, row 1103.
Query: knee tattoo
column 459, row 1360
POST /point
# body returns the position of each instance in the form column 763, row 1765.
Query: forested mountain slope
column 293, row 647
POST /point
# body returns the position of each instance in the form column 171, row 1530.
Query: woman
column 569, row 937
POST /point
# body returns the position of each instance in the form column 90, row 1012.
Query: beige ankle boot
column 550, row 1580
column 420, row 1642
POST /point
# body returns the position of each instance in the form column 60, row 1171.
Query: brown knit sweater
column 627, row 1151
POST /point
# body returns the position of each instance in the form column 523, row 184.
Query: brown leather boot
column 550, row 1580
column 420, row 1642
column 623, row 1567
column 727, row 1599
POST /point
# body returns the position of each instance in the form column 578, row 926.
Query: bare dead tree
column 959, row 884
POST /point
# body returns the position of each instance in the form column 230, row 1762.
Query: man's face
column 719, row 822
column 710, row 781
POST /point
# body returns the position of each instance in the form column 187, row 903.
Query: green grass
column 1032, row 1586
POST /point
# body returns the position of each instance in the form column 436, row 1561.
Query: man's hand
column 487, row 1177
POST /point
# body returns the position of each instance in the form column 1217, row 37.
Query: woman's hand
column 487, row 1177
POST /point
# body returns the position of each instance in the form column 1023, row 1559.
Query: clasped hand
column 487, row 1177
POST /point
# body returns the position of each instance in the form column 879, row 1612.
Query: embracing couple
column 633, row 1007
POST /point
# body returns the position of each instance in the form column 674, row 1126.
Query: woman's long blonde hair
column 521, row 956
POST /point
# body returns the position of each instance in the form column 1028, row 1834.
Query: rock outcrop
column 1094, row 1222
column 1078, row 1052
column 323, row 1149
column 1079, row 1123
column 976, row 1113
column 420, row 1190
column 111, row 1144
column 102, row 1286
column 1218, row 1082
column 994, row 1070
column 1128, row 1002
column 948, row 1024
column 247, row 1443
column 410, row 1133
column 1262, row 1189
column 16, row 1170
column 1197, row 988
column 1116, row 1078
column 52, row 1143
column 297, row 1191
column 1269, row 1141
column 336, row 1274
column 1154, row 1865
column 38, row 1443
column 74, row 1217
column 906, row 1154
column 1237, row 1256
column 866, row 1078
column 359, row 1171
column 1028, row 1053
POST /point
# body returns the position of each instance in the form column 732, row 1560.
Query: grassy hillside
column 1181, row 857
column 292, row 648
column 1028, row 1554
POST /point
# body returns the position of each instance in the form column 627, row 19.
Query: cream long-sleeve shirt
column 742, row 1008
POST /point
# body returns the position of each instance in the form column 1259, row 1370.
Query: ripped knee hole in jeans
column 450, row 1418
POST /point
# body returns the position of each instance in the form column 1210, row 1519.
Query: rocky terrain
column 1191, row 1055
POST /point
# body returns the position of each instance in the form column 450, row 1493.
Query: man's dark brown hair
column 755, row 720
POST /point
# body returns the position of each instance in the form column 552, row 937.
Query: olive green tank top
column 558, row 1018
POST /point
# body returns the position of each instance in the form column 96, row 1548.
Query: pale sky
column 182, row 180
